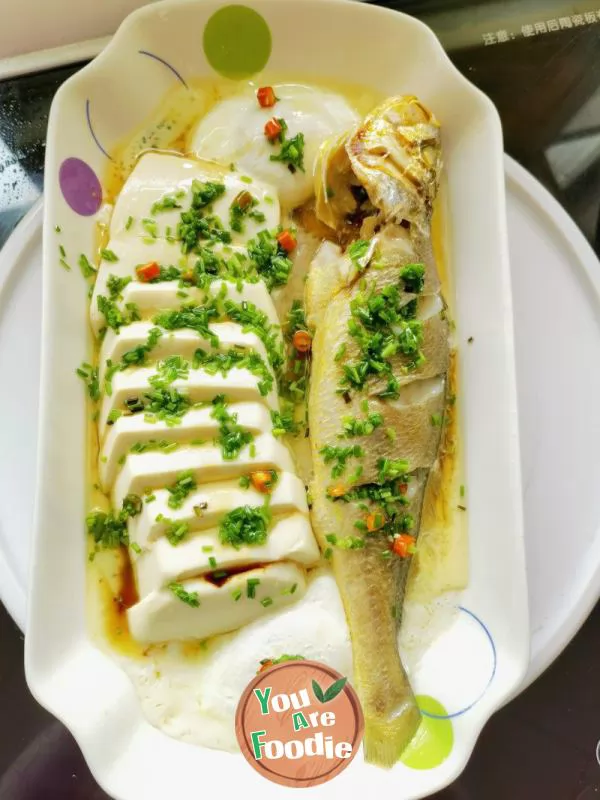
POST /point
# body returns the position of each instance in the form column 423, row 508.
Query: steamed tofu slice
column 151, row 297
column 197, row 424
column 162, row 616
column 238, row 385
column 183, row 342
column 205, row 507
column 155, row 177
column 165, row 252
column 149, row 471
column 130, row 253
column 290, row 538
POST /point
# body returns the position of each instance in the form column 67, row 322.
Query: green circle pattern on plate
column 433, row 741
column 237, row 42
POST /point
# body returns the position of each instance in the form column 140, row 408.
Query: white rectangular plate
column 480, row 661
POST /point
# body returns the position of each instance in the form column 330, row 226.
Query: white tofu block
column 161, row 616
column 150, row 298
column 197, row 424
column 213, row 501
column 156, row 470
column 159, row 174
column 290, row 538
column 155, row 176
column 183, row 342
column 238, row 385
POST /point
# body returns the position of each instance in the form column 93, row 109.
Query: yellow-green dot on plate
column 237, row 42
column 432, row 743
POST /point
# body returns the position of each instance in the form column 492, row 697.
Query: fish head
column 396, row 155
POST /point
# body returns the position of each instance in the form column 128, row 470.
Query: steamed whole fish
column 380, row 361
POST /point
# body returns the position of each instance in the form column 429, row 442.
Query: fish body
column 379, row 375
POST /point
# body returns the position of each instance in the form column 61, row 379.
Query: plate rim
column 12, row 594
column 53, row 688
column 586, row 259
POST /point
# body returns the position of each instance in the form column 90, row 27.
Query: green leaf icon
column 318, row 692
column 331, row 693
column 334, row 690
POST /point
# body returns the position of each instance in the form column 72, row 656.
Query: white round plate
column 557, row 320
column 20, row 331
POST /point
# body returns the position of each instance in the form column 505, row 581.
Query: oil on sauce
column 441, row 562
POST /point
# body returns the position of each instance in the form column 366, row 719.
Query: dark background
column 546, row 85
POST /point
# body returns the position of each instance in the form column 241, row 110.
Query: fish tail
column 386, row 738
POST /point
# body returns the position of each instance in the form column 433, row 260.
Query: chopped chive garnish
column 150, row 227
column 292, row 150
column 176, row 532
column 109, row 255
column 109, row 529
column 245, row 526
column 190, row 598
column 87, row 270
column 167, row 203
column 340, row 455
column 183, row 486
column 89, row 375
column 232, row 437
column 340, row 352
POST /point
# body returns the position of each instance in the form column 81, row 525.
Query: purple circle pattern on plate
column 80, row 186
